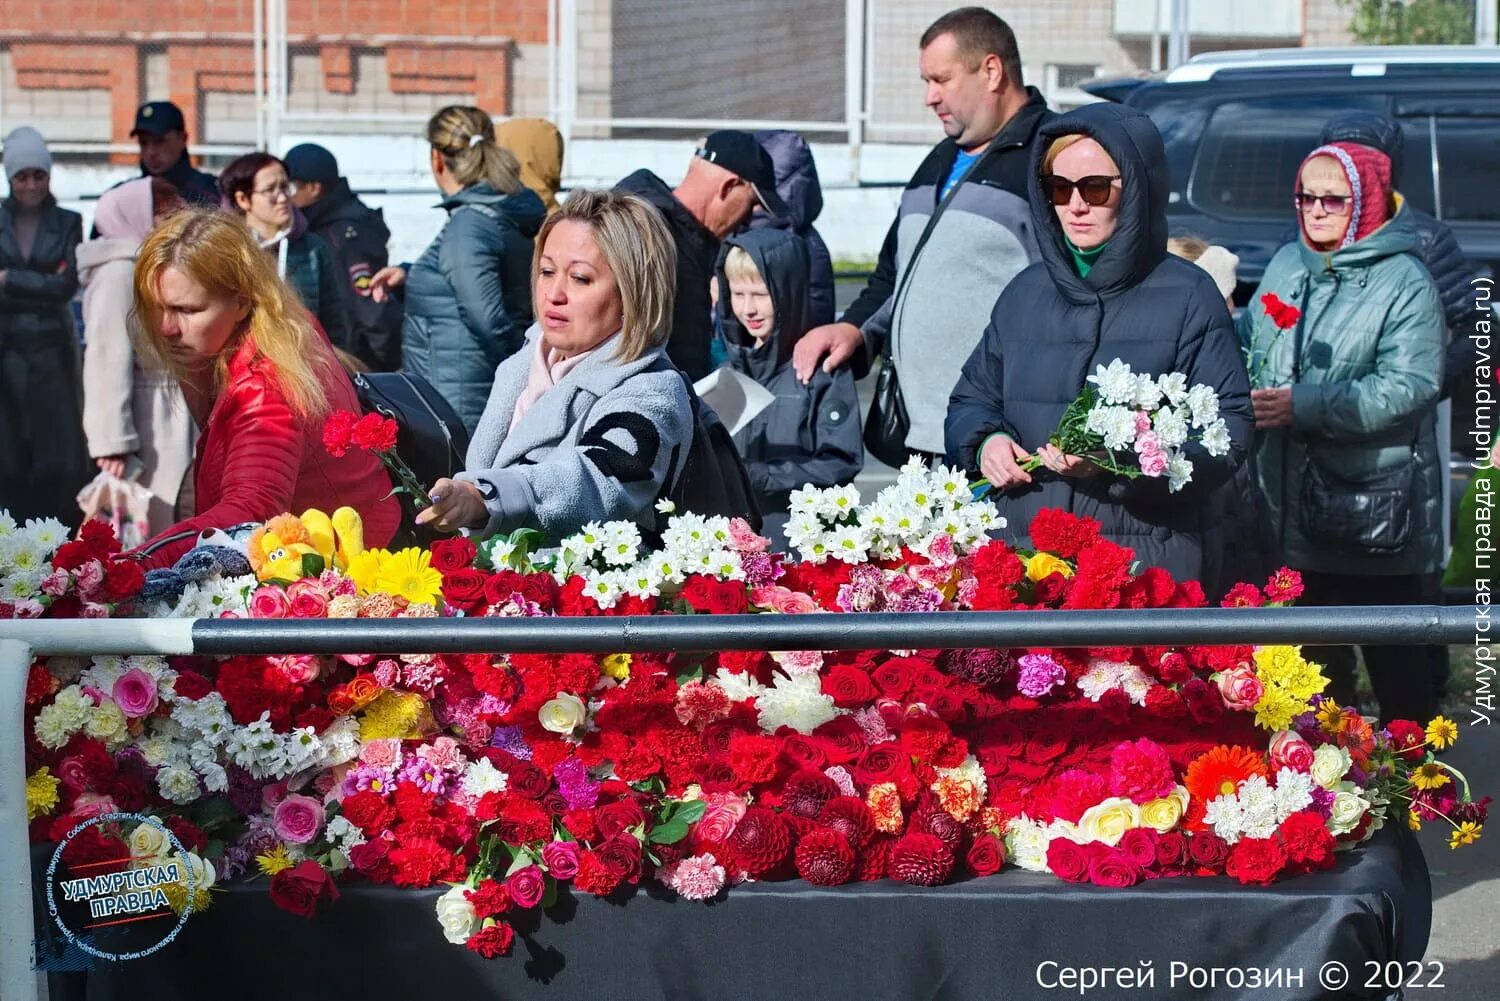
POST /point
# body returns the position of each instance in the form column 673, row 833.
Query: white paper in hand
column 735, row 397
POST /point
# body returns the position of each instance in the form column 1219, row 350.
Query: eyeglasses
column 1095, row 188
column 1332, row 204
column 285, row 189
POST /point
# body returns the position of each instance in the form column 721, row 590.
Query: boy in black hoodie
column 810, row 434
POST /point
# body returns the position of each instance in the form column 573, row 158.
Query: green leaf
column 521, row 861
column 313, row 564
column 689, row 811
column 669, row 833
column 550, row 896
column 696, row 674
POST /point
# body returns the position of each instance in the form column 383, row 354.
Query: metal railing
column 20, row 641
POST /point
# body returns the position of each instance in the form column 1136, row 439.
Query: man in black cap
column 358, row 235
column 729, row 174
column 162, row 133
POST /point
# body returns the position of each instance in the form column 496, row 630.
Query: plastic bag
column 124, row 505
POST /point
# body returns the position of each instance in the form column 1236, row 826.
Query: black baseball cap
column 158, row 118
column 739, row 153
column 311, row 162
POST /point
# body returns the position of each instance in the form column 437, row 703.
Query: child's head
column 1218, row 262
column 748, row 296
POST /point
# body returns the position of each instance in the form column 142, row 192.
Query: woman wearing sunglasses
column 1106, row 288
column 1346, row 407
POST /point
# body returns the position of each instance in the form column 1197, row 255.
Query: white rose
column 1026, row 845
column 563, row 714
column 197, row 871
column 456, row 915
column 1348, row 811
column 1108, row 821
column 1329, row 765
column 147, row 841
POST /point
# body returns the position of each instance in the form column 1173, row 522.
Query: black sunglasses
column 1094, row 188
column 1332, row 204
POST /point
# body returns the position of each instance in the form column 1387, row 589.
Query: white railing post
column 567, row 70
column 854, row 82
column 17, row 979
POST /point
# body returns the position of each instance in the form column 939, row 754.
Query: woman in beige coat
column 134, row 416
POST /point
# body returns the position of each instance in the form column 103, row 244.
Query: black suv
column 1238, row 124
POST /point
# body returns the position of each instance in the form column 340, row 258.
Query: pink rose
column 357, row 659
column 1288, row 750
column 298, row 819
column 93, row 804
column 1240, row 688
column 298, row 668
column 89, row 578
column 309, row 605
column 56, row 583
column 272, row 794
column 527, row 886
column 269, row 602
column 73, row 773
column 135, row 693
column 561, row 858
column 744, row 539
column 720, row 818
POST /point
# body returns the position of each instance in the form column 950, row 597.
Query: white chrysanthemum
column 738, row 687
column 1293, row 792
column 721, row 563
column 215, row 778
column 603, row 586
column 840, row 502
column 302, row 748
column 642, row 580
column 338, row 743
column 1147, row 393
column 178, row 783
column 620, row 543
column 1115, row 383
column 1116, row 425
column 1173, row 386
column 1026, row 844
column 7, row 524
column 343, row 832
column 666, row 569
column 207, row 717
column 1203, row 404
column 1216, row 440
column 498, row 551
column 1258, row 803
column 46, row 534
column 849, row 543
column 483, row 777
column 22, row 585
column 1170, row 427
column 159, row 750
column 1179, row 471
column 1226, row 816
column 798, row 702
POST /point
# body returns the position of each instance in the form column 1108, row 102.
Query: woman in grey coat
column 589, row 421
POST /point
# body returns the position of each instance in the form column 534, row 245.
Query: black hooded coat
column 1051, row 328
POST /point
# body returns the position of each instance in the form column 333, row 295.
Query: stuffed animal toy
column 277, row 549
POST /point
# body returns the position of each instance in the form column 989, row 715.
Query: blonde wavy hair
column 635, row 243
column 466, row 137
column 216, row 250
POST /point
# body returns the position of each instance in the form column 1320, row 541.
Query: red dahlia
column 824, row 858
column 806, row 792
column 850, row 817
column 761, row 840
column 874, row 859
column 920, row 859
column 936, row 821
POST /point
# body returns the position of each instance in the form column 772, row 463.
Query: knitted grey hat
column 25, row 149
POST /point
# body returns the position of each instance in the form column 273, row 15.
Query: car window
column 1416, row 163
column 1248, row 156
column 1468, row 164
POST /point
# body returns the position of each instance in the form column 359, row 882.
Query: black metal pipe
column 1410, row 625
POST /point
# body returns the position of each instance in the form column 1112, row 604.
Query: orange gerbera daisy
column 1220, row 771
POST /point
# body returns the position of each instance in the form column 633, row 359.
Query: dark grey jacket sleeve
column 471, row 258
column 53, row 286
column 333, row 311
column 837, row 451
column 976, row 407
column 820, row 292
column 1450, row 271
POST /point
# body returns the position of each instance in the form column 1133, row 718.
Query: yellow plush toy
column 277, row 548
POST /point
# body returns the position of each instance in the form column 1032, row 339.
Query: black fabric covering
column 978, row 939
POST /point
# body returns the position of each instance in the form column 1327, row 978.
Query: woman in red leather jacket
column 259, row 379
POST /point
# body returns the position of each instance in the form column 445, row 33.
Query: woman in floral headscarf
column 1345, row 335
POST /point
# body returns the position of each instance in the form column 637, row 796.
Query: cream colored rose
column 1348, row 811
column 1165, row 813
column 148, row 841
column 198, row 871
column 1108, row 821
column 456, row 915
column 1330, row 763
column 563, row 714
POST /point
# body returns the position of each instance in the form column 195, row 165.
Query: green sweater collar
column 1083, row 260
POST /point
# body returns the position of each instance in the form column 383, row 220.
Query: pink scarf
column 548, row 368
column 124, row 212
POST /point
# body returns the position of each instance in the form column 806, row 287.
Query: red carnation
column 1204, row 703
column 806, row 791
column 338, row 429
column 1056, row 531
column 191, row 685
column 189, row 833
column 1307, row 841
column 374, row 432
column 492, row 940
column 761, row 840
column 298, row 889
column 920, row 859
column 924, row 736
column 1256, row 860
column 489, row 898
column 1140, row 771
column 594, row 876
column 824, row 858
column 123, row 579
column 421, row 862
column 985, row 856
column 753, row 757
column 1283, row 314
column 850, row 817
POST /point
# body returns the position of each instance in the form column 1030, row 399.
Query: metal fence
column 20, row 641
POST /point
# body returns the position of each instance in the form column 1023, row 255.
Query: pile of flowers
column 512, row 779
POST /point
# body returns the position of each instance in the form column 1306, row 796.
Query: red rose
column 527, row 780
column 1256, row 860
column 894, row 677
column 621, row 815
column 850, row 687
column 841, row 740
column 985, row 856
column 299, row 888
column 1067, row 860
column 374, row 432
column 372, row 860
column 1114, row 868
column 761, row 840
column 464, row 589
column 1307, row 842
column 455, row 553
column 1139, row 845
column 803, row 752
column 1171, row 852
column 1208, row 851
column 499, row 587
column 708, row 594
column 882, row 763
column 920, row 859
column 494, row 940
column 541, row 589
column 1174, row 669
column 123, row 579
column 824, row 858
column 621, row 855
column 191, row 685
column 337, row 430
column 1204, row 703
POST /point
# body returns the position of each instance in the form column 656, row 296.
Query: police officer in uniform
column 162, row 134
column 358, row 235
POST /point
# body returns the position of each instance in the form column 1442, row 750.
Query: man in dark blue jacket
column 162, row 133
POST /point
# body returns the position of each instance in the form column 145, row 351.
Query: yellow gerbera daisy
column 1331, row 717
column 364, row 569
column 409, row 574
column 1442, row 732
column 1468, row 832
column 1430, row 776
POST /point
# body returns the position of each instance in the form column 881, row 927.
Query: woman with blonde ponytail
column 259, row 380
column 468, row 297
